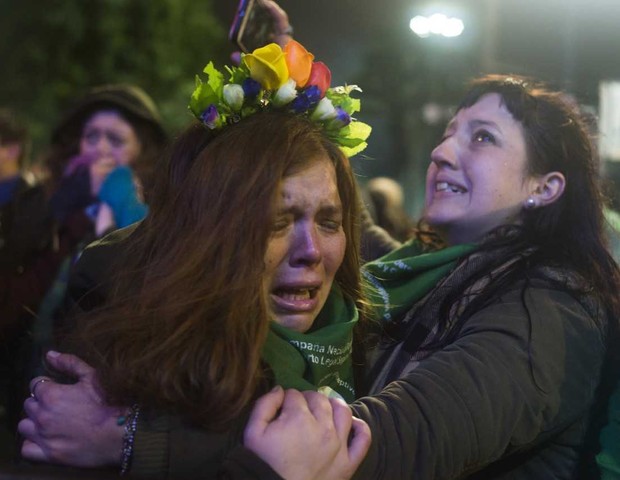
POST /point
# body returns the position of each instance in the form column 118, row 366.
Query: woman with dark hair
column 99, row 168
column 495, row 343
column 111, row 126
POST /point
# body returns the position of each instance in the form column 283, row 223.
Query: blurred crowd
column 93, row 177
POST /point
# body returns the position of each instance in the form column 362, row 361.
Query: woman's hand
column 70, row 424
column 283, row 32
column 312, row 437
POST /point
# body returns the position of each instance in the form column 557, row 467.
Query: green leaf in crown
column 288, row 79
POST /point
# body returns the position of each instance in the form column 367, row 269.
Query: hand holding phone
column 259, row 22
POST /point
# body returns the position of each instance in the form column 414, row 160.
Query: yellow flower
column 267, row 66
column 299, row 62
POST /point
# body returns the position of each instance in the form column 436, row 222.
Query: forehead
column 108, row 119
column 314, row 182
column 489, row 108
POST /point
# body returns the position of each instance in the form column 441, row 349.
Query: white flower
column 285, row 94
column 324, row 110
column 233, row 96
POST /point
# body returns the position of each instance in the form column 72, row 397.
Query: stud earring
column 530, row 203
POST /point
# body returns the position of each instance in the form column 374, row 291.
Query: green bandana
column 321, row 357
column 406, row 275
column 608, row 458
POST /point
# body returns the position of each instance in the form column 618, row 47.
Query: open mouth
column 291, row 294
column 449, row 187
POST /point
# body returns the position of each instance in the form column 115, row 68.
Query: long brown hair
column 186, row 322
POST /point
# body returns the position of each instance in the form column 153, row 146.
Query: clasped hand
column 305, row 435
column 70, row 424
column 302, row 435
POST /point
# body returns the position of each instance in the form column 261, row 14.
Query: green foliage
column 340, row 97
column 53, row 50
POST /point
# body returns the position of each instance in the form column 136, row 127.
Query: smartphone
column 253, row 26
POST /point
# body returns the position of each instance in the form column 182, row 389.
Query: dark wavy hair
column 186, row 322
column 570, row 231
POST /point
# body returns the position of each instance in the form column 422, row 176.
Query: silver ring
column 33, row 389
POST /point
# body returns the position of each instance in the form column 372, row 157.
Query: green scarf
column 403, row 277
column 321, row 357
column 608, row 458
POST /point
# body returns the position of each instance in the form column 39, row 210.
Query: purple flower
column 210, row 117
column 313, row 93
column 342, row 116
column 251, row 88
column 306, row 99
column 341, row 120
column 301, row 103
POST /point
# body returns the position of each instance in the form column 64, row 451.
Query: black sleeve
column 166, row 447
column 242, row 463
column 507, row 385
column 91, row 278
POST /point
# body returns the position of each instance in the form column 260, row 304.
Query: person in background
column 28, row 262
column 112, row 126
column 386, row 199
column 99, row 165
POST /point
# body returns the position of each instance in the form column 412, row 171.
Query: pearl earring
column 530, row 203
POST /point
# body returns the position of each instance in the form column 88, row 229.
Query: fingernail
column 275, row 389
column 53, row 354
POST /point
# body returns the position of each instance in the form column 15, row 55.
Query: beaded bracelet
column 131, row 423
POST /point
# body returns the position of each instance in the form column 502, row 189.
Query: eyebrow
column 487, row 123
column 327, row 208
column 476, row 122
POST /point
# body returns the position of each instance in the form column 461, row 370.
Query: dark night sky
column 573, row 44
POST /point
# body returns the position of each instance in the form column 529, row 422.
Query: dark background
column 52, row 50
column 572, row 44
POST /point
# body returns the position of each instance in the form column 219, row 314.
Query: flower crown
column 284, row 79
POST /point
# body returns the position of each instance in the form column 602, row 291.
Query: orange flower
column 299, row 62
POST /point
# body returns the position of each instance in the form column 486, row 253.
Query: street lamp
column 436, row 24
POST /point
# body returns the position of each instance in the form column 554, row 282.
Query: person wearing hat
column 99, row 164
column 111, row 126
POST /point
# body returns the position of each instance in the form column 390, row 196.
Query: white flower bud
column 324, row 111
column 233, row 96
column 285, row 94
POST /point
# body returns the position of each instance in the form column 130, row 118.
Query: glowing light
column 436, row 24
column 420, row 26
column 453, row 27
